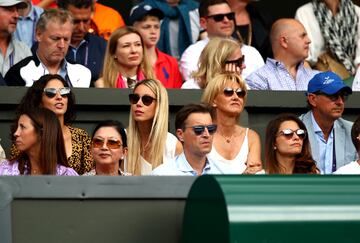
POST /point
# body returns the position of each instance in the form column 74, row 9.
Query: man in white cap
column 12, row 51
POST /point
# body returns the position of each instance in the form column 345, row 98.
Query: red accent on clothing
column 120, row 83
column 167, row 66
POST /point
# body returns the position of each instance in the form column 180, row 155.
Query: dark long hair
column 119, row 127
column 49, row 133
column 33, row 97
column 304, row 163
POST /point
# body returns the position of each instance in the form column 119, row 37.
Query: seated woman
column 218, row 55
column 236, row 149
column 51, row 91
column 150, row 143
column 125, row 61
column 108, row 147
column 353, row 167
column 287, row 147
column 38, row 136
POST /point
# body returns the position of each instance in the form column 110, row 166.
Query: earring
column 275, row 148
column 115, row 57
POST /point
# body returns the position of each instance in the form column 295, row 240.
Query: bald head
column 282, row 27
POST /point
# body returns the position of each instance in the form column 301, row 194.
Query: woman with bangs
column 219, row 55
column 51, row 91
column 287, row 147
column 125, row 61
column 149, row 142
column 38, row 137
column 236, row 149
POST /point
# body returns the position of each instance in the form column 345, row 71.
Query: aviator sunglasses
column 51, row 92
column 110, row 143
column 228, row 92
column 220, row 17
column 146, row 99
column 289, row 133
column 199, row 129
column 238, row 62
column 334, row 97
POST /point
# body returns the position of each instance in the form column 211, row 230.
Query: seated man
column 53, row 34
column 290, row 45
column 329, row 134
column 195, row 129
column 218, row 20
column 85, row 48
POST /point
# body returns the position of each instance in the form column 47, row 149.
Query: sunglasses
column 288, row 133
column 229, row 92
column 110, row 143
column 220, row 17
column 146, row 99
column 84, row 21
column 238, row 62
column 199, row 129
column 334, row 97
column 51, row 92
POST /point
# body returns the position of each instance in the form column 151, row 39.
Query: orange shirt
column 106, row 20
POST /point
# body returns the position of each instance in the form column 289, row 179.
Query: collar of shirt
column 31, row 15
column 184, row 166
column 318, row 130
column 276, row 63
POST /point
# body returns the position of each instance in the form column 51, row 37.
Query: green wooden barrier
column 273, row 209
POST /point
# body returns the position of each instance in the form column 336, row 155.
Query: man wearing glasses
column 85, row 48
column 329, row 134
column 218, row 20
column 286, row 71
column 195, row 130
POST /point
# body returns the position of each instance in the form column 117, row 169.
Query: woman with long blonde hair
column 149, row 142
column 125, row 61
column 219, row 55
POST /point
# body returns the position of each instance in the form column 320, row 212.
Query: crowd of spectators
column 225, row 47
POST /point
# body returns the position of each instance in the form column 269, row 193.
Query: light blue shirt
column 274, row 76
column 25, row 28
column 325, row 148
column 180, row 166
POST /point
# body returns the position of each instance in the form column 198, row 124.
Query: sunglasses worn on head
column 289, row 133
column 228, row 92
column 220, row 17
column 334, row 97
column 110, row 143
column 146, row 99
column 199, row 129
column 51, row 92
column 238, row 62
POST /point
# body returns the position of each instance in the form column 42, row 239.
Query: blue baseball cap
column 328, row 83
column 139, row 11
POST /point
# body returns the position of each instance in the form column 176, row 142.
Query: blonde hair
column 212, row 59
column 110, row 69
column 158, row 133
column 217, row 84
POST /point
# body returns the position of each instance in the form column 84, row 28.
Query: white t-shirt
column 352, row 168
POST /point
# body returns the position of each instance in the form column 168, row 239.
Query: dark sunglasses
column 228, row 92
column 220, row 17
column 199, row 129
column 51, row 92
column 288, row 133
column 334, row 97
column 238, row 62
column 84, row 21
column 146, row 99
column 110, row 143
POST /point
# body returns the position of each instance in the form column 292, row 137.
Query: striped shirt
column 274, row 76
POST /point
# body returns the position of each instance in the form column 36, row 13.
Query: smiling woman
column 125, row 60
column 52, row 92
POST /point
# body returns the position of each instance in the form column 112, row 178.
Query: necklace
column 227, row 139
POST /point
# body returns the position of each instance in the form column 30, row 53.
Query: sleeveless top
column 234, row 166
